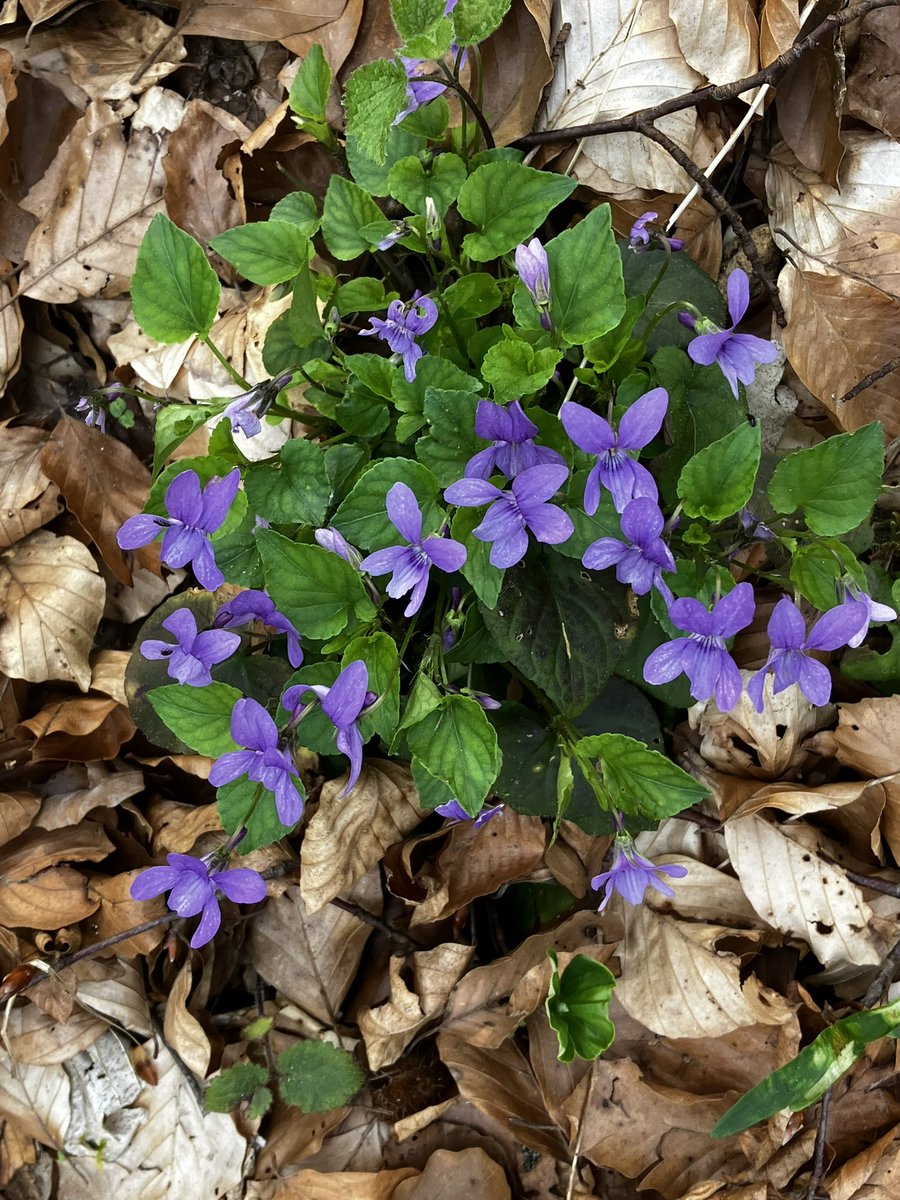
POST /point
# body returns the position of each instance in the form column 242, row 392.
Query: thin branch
column 876, row 884
column 885, row 975
column 869, row 379
column 363, row 914
column 819, row 1153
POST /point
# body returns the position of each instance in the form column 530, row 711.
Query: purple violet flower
column 488, row 703
column 253, row 605
column 534, row 271
column 513, row 513
column 640, row 235
column 419, row 92
column 624, row 478
column 400, row 230
column 631, row 874
column 703, row 656
column 343, row 703
column 411, row 564
column 454, row 811
column 95, row 413
column 512, row 448
column 878, row 614
column 403, row 324
column 192, row 888
column 245, row 410
column 195, row 514
column 735, row 353
column 192, row 654
column 788, row 657
column 639, row 564
column 263, row 760
column 331, row 539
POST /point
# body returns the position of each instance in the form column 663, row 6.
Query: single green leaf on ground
column 578, row 1007
column 174, row 291
column 457, row 744
column 639, row 780
column 315, row 1076
column 235, row 1084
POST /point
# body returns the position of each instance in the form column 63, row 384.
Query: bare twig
column 576, row 1154
column 873, row 882
column 884, row 977
column 869, row 379
column 819, row 1153
column 363, row 914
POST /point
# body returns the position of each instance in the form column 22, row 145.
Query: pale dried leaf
column 11, row 326
column 517, row 67
column 93, row 205
column 35, row 1036
column 799, row 893
column 450, row 1174
column 717, row 37
column 8, row 88
column 28, row 499
column 873, row 89
column 108, row 674
column 873, row 258
column 184, row 1033
column 176, row 827
column 52, row 598
column 839, row 330
column 808, row 102
column 74, row 793
column 360, row 1185
column 867, row 737
column 706, row 996
column 704, row 894
column 296, row 23
column 294, row 1136
column 348, row 835
column 117, row 912
column 779, row 24
column 35, row 1099
column 105, row 46
column 55, row 897
column 846, row 1182
column 17, row 810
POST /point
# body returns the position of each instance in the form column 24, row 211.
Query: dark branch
column 869, row 379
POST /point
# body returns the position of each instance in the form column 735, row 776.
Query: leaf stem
column 217, row 353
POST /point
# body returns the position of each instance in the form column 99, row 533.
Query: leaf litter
column 386, row 936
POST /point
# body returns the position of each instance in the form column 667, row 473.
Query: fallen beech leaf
column 37, row 849
column 718, row 38
column 87, row 729
column 11, row 326
column 184, row 1033
column 198, row 198
column 108, row 673
column 52, row 598
column 294, row 23
column 55, row 897
column 117, row 911
column 17, row 1150
column 73, row 793
column 867, row 737
column 93, row 205
column 105, row 46
column 342, row 1185
column 809, row 102
column 779, row 24
column 878, row 1166
column 35, row 1040
column 348, row 835
column 17, row 809
column 28, row 499
column 35, row 1100
column 450, row 1174
column 873, row 88
column 177, row 827
column 8, row 89
column 517, row 68
column 104, row 483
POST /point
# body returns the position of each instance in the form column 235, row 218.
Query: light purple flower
column 411, row 564
column 640, row 235
column 263, row 760
column 95, row 413
column 750, row 523
column 789, row 657
column 878, row 614
column 641, row 559
column 735, row 353
column 400, row 230
column 253, row 605
column 454, row 811
column 488, row 703
column 192, row 654
column 192, row 888
column 534, row 271
column 419, row 92
column 624, row 478
column 343, row 703
column 403, row 324
column 512, row 448
column 331, row 539
column 631, row 874
column 513, row 513
column 703, row 656
column 245, row 410
column 194, row 515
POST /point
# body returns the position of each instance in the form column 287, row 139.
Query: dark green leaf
column 411, row 180
column 292, row 488
column 515, row 369
column 578, row 1007
column 457, row 744
column 174, row 290
column 235, row 1084
column 507, row 201
column 484, row 577
column 348, row 207
column 199, row 716
column 451, row 439
column 818, row 567
column 315, row 1076
column 683, row 280
column 586, row 287
column 362, row 517
column 314, row 588
column 379, row 652
column 834, row 484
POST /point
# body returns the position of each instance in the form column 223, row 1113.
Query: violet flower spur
column 263, row 759
column 192, row 654
column 512, row 448
column 703, row 656
column 639, row 237
column 411, row 564
column 253, row 605
column 789, row 658
column 403, row 324
column 513, row 513
column 615, row 469
column 878, row 614
column 192, row 888
column 245, row 410
column 641, row 559
column 343, row 703
column 195, row 513
column 631, row 874
column 534, row 271
column 735, row 353
column 453, row 811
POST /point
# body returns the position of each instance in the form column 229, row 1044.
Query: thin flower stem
column 451, row 82
column 217, row 353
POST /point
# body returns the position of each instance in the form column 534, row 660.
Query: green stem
column 217, row 353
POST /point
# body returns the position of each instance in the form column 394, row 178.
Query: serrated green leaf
column 348, row 207
column 246, row 804
column 473, row 295
column 314, row 588
column 412, row 17
column 834, row 484
column 364, row 294
column 451, row 440
column 260, row 1103
column 639, row 780
column 411, row 181
column 587, row 291
column 265, row 252
column 577, row 1007
column 234, row 1085
column 315, row 1076
column 175, row 423
column 475, row 20
column 718, row 481
column 199, row 716
column 362, row 518
column 424, row 697
column 375, row 94
column 309, row 92
column 513, row 368
column 478, row 570
column 507, row 201
column 174, row 291
column 457, row 744
column 300, row 209
column 379, row 652
column 293, row 488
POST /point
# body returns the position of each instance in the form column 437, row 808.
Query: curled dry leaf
column 49, row 900
column 347, row 836
column 87, row 729
column 28, row 499
column 779, row 24
column 295, row 23
column 103, row 483
column 93, row 206
column 75, row 792
column 184, row 1033
column 809, row 100
column 52, row 599
column 873, row 88
column 108, row 673
column 37, row 849
column 517, row 67
column 117, row 911
column 176, row 827
column 17, row 810
column 311, row 1185
column 798, row 892
column 34, row 1036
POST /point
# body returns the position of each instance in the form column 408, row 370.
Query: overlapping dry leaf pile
column 376, row 935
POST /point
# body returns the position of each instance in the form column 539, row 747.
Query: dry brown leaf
column 8, row 90
column 108, row 673
column 75, row 792
column 35, row 1100
column 35, row 1040
column 779, row 24
column 845, row 1183
column 873, row 88
column 11, row 326
column 184, row 1033
column 867, row 737
column 874, row 258
column 809, row 101
column 51, row 598
column 17, row 1150
column 342, row 1185
column 296, row 23
column 117, row 911
column 838, row 331
column 106, row 44
column 197, row 195
column 28, row 499
column 706, row 995
column 516, row 65
column 17, row 810
column 87, row 729
column 801, row 894
column 55, row 897
column 717, row 37
column 37, row 849
column 311, row 959
column 293, row 1136
column 176, row 827
column 42, row 10
column 388, row 1028
column 449, row 1175
column 93, row 205
column 103, row 483
column 348, row 835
